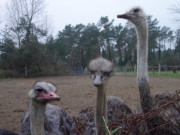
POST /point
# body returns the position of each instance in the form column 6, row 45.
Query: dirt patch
column 76, row 92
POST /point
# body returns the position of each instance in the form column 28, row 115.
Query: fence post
column 25, row 70
column 159, row 69
column 125, row 70
column 153, row 69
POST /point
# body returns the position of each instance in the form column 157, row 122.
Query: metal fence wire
column 163, row 70
column 162, row 119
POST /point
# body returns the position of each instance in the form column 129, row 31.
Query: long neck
column 142, row 51
column 142, row 66
column 37, row 111
column 100, row 110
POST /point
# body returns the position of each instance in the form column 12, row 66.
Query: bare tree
column 30, row 10
column 24, row 19
column 175, row 9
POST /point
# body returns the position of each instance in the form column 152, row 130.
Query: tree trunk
column 109, row 50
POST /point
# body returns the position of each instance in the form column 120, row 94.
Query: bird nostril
column 97, row 85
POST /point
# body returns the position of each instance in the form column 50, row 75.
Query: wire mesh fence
column 161, row 71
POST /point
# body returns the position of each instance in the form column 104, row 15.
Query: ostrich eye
column 106, row 73
column 92, row 72
column 39, row 90
column 136, row 10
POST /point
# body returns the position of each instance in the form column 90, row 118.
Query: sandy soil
column 76, row 92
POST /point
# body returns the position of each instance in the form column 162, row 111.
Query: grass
column 152, row 74
column 108, row 132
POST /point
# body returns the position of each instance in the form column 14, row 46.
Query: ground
column 76, row 92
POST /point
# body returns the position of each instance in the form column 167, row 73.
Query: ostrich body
column 45, row 119
column 171, row 113
column 111, row 108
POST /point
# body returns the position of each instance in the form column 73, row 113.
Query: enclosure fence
column 163, row 70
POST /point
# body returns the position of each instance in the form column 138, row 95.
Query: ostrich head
column 43, row 92
column 135, row 15
column 100, row 70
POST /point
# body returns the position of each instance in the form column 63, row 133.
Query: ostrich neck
column 142, row 51
column 142, row 67
column 37, row 111
column 101, row 106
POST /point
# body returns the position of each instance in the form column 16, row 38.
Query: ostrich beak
column 54, row 96
column 97, row 81
column 124, row 16
column 50, row 96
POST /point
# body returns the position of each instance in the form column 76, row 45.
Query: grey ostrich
column 111, row 108
column 42, row 118
column 45, row 119
column 40, row 95
column 33, row 119
column 171, row 114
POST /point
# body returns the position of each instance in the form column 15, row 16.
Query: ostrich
column 42, row 118
column 139, row 19
column 111, row 108
column 40, row 95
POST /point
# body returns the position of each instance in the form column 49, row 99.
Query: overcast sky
column 63, row 12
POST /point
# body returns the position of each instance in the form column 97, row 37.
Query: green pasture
column 152, row 74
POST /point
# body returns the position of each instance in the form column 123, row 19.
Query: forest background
column 27, row 49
